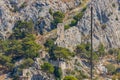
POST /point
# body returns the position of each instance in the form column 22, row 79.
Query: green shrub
column 26, row 47
column 19, row 46
column 14, row 47
column 22, row 28
column 113, row 4
column 80, row 49
column 78, row 16
column 70, row 78
column 27, row 63
column 115, row 52
column 4, row 59
column 58, row 73
column 50, row 11
column 49, row 43
column 81, row 75
column 66, row 27
column 62, row 53
column 84, row 51
column 10, row 66
column 111, row 51
column 47, row 67
column 73, row 22
column 58, row 14
column 84, row 9
column 58, row 18
column 101, row 50
column 110, row 68
column 4, row 46
column 57, row 52
column 30, row 47
column 118, row 56
column 95, row 56
column 83, row 48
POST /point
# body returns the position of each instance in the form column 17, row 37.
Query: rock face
column 29, row 74
column 106, row 21
column 37, row 10
column 106, row 30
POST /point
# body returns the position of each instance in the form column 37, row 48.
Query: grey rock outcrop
column 106, row 21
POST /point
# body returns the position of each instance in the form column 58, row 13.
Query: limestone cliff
column 106, row 21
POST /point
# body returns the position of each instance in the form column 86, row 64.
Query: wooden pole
column 91, row 57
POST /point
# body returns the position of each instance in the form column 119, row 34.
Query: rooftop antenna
column 91, row 55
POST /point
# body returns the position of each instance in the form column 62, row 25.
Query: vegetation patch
column 58, row 52
column 47, row 67
column 70, row 78
column 111, row 68
column 21, row 45
column 66, row 27
column 58, row 73
column 58, row 18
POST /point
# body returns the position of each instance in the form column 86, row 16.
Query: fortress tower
column 60, row 31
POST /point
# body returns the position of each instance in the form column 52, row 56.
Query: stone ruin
column 68, row 38
column 60, row 32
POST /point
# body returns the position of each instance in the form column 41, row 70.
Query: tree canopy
column 22, row 28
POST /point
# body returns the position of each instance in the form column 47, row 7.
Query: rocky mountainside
column 106, row 17
column 36, row 10
column 106, row 24
column 106, row 28
column 62, row 29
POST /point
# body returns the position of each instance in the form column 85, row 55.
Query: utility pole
column 91, row 57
